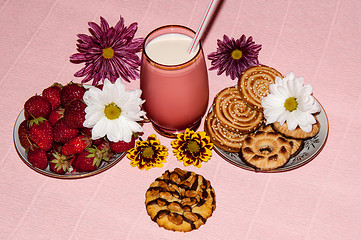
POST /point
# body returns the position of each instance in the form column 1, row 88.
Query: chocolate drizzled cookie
column 180, row 200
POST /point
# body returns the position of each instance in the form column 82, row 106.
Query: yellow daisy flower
column 192, row 148
column 148, row 154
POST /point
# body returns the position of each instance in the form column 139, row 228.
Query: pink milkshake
column 174, row 83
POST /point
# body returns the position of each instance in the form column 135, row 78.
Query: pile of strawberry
column 54, row 136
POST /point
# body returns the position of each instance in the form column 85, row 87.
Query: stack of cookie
column 231, row 120
column 237, row 111
column 236, row 123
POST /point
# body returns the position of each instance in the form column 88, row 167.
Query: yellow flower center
column 112, row 111
column 108, row 53
column 148, row 152
column 193, row 146
column 236, row 54
column 291, row 104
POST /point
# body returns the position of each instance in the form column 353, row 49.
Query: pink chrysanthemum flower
column 234, row 56
column 109, row 52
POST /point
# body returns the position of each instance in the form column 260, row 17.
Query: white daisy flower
column 292, row 102
column 113, row 112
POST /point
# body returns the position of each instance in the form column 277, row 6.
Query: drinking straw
column 206, row 18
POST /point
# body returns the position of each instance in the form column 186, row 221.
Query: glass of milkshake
column 174, row 82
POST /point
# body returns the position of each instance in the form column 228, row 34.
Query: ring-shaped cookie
column 296, row 144
column 265, row 150
column 254, row 83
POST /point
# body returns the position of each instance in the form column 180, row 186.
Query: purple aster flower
column 109, row 52
column 234, row 56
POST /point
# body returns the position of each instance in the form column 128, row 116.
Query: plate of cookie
column 238, row 131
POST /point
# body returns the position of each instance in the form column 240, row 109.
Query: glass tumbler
column 176, row 94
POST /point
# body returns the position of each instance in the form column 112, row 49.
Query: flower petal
column 100, row 128
column 282, row 89
column 129, row 102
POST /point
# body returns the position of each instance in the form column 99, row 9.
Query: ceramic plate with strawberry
column 52, row 141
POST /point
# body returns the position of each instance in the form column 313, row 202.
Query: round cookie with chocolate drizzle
column 180, row 200
column 253, row 84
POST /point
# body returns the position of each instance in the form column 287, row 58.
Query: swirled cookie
column 253, row 84
column 234, row 114
column 298, row 133
column 221, row 136
column 296, row 144
column 180, row 200
column 265, row 150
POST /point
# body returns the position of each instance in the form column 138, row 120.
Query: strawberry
column 37, row 106
column 70, row 92
column 56, row 115
column 55, row 148
column 52, row 94
column 71, row 160
column 41, row 133
column 24, row 133
column 104, row 146
column 74, row 114
column 122, row 146
column 99, row 141
column 59, row 163
column 88, row 160
column 63, row 133
column 76, row 145
column 37, row 157
column 88, row 132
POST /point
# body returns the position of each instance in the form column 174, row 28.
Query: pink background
column 319, row 40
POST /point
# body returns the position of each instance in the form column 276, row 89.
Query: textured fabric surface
column 319, row 40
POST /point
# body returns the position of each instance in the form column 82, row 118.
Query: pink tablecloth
column 319, row 40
